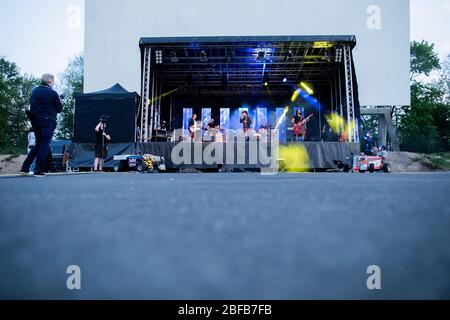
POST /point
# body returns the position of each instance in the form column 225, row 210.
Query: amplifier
column 159, row 136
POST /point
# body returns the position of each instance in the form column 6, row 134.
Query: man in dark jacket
column 246, row 122
column 45, row 104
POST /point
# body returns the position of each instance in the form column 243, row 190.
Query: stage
column 322, row 155
column 213, row 82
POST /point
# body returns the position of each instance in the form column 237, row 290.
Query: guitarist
column 192, row 127
column 300, row 126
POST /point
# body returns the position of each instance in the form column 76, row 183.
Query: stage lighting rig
column 230, row 56
column 203, row 56
column 289, row 56
column 159, row 56
column 261, row 56
column 327, row 56
column 189, row 81
column 265, row 80
column 224, row 80
column 339, row 52
column 173, row 57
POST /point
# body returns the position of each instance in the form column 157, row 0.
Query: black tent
column 116, row 104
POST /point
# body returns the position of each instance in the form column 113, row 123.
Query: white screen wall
column 113, row 29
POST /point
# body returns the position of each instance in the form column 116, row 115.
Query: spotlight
column 159, row 56
column 307, row 88
column 327, row 56
column 203, row 56
column 295, row 95
column 261, row 56
column 339, row 53
column 322, row 45
column 173, row 57
column 265, row 80
column 289, row 56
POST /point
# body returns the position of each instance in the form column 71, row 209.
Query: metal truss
column 145, row 130
column 353, row 124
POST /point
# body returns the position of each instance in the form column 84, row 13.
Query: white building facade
column 113, row 29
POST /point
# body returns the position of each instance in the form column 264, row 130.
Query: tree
column 9, row 80
column 445, row 76
column 70, row 84
column 424, row 59
column 424, row 126
column 369, row 123
column 15, row 91
column 18, row 120
column 418, row 129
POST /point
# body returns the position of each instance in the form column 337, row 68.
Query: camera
column 104, row 119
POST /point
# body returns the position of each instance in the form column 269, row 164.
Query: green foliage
column 13, row 150
column 440, row 160
column 71, row 83
column 15, row 91
column 445, row 76
column 425, row 125
column 419, row 132
column 423, row 59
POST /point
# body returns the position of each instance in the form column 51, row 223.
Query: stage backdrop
column 116, row 103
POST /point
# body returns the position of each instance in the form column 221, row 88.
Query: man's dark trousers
column 44, row 132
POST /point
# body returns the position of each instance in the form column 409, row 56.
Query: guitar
column 194, row 128
column 298, row 127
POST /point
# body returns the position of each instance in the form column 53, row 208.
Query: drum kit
column 218, row 134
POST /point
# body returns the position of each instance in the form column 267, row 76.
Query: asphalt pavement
column 225, row 236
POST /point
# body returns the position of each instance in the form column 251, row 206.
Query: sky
column 41, row 36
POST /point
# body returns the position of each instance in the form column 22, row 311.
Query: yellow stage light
column 322, row 45
column 286, row 109
column 295, row 95
column 307, row 88
column 164, row 95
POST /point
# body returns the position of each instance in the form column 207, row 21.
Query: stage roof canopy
column 238, row 64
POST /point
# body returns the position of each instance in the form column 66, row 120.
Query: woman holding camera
column 100, row 145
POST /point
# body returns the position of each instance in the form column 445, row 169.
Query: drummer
column 211, row 124
column 211, row 128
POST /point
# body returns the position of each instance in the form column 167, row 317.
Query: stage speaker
column 159, row 136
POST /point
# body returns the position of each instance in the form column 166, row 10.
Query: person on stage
column 299, row 126
column 45, row 104
column 211, row 130
column 246, row 122
column 192, row 127
column 101, row 142
column 211, row 124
